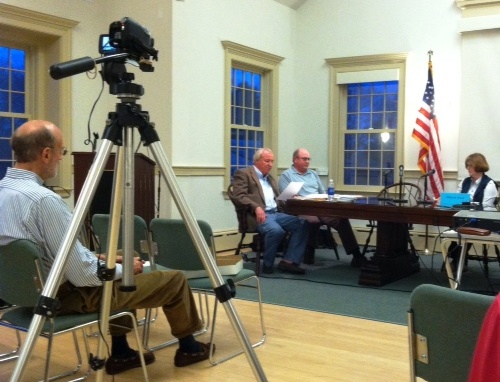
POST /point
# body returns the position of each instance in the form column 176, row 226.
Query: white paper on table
column 316, row 196
column 291, row 190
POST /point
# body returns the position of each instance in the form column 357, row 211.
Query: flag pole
column 426, row 250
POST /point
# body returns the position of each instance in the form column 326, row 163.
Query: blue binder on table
column 452, row 199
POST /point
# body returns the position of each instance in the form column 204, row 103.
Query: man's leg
column 273, row 234
column 346, row 234
column 299, row 230
column 166, row 289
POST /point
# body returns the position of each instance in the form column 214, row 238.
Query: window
column 250, row 104
column 13, row 111
column 247, row 134
column 366, row 127
column 38, row 38
column 369, row 136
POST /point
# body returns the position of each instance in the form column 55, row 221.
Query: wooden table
column 392, row 259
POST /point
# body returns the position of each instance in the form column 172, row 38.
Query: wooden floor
column 301, row 346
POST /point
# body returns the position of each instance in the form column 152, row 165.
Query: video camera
column 127, row 36
column 127, row 40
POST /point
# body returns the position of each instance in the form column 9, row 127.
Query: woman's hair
column 27, row 147
column 478, row 162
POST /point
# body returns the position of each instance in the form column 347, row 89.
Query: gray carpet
column 331, row 286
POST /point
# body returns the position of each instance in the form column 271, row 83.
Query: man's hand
column 138, row 265
column 260, row 215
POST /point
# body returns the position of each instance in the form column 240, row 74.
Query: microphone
column 66, row 69
column 429, row 173
column 80, row 65
column 401, row 170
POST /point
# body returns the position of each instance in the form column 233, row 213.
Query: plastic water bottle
column 330, row 190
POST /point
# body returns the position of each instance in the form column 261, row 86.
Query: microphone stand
column 424, row 200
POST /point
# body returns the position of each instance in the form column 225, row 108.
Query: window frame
column 267, row 64
column 376, row 64
column 49, row 40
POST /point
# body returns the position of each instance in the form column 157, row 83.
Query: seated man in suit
column 256, row 189
column 300, row 172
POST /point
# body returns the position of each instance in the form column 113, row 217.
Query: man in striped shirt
column 33, row 212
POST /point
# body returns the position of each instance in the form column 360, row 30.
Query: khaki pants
column 166, row 289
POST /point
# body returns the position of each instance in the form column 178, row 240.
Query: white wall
column 344, row 28
column 184, row 95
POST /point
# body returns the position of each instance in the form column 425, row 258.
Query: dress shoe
column 290, row 268
column 115, row 365
column 267, row 270
column 182, row 359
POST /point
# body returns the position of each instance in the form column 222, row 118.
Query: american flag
column 426, row 132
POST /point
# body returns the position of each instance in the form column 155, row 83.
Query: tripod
column 119, row 131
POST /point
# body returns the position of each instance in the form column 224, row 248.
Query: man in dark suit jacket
column 255, row 189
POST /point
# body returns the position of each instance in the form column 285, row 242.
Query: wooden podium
column 144, row 204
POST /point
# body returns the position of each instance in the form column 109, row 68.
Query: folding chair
column 142, row 245
column 175, row 250
column 243, row 228
column 21, row 278
column 443, row 327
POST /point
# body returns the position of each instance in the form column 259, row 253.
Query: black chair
column 257, row 244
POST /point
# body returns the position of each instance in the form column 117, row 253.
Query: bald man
column 33, row 212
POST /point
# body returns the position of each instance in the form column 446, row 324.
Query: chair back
column 241, row 213
column 20, row 273
column 404, row 194
column 175, row 248
column 100, row 226
column 443, row 326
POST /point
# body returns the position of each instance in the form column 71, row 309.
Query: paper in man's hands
column 291, row 190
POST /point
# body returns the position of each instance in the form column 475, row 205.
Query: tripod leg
column 54, row 278
column 221, row 290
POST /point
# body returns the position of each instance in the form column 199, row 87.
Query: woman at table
column 478, row 185
column 482, row 190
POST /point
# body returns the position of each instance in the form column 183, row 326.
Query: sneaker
column 290, row 268
column 182, row 359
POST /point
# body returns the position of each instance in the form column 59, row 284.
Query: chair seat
column 22, row 316
column 205, row 283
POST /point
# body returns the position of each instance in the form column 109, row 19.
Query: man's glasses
column 63, row 150
column 304, row 158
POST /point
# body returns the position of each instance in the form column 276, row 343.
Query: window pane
column 369, row 155
column 17, row 59
column 18, row 81
column 4, row 57
column 4, row 101
column 18, row 103
column 5, row 150
column 4, row 79
column 5, row 127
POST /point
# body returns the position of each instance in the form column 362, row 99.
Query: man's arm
column 244, row 190
column 81, row 266
column 284, row 180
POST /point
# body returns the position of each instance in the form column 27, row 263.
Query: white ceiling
column 294, row 4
